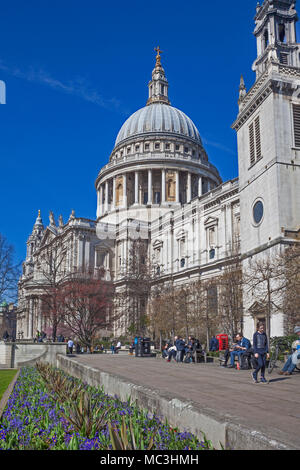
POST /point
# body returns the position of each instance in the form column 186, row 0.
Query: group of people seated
column 181, row 350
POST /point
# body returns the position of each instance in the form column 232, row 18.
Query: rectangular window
column 296, row 118
column 255, row 141
column 284, row 59
column 257, row 138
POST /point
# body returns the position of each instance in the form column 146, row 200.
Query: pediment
column 180, row 234
column 49, row 234
column 103, row 246
column 157, row 244
column 211, row 221
column 257, row 307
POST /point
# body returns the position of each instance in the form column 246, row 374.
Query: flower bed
column 49, row 410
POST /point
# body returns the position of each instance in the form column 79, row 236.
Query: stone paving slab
column 272, row 409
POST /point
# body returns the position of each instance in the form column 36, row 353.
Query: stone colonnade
column 113, row 193
column 33, row 320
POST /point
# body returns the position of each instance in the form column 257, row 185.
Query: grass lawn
column 6, row 377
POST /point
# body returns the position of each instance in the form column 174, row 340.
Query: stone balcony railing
column 152, row 157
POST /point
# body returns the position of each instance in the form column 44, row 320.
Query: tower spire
column 158, row 86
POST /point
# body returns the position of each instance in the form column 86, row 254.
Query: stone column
column 30, row 319
column 98, row 204
column 208, row 185
column 136, row 187
column 80, row 252
column 149, row 186
column 40, row 314
column 200, row 186
column 101, row 200
column 114, row 192
column 163, row 186
column 189, row 187
column 125, row 190
column 177, row 187
column 87, row 252
column 106, row 197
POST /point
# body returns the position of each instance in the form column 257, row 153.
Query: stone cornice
column 276, row 80
column 257, row 97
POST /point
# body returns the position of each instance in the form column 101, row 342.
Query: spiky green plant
column 125, row 439
column 85, row 417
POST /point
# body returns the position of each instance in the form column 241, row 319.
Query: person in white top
column 70, row 346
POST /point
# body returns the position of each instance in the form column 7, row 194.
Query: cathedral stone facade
column 159, row 185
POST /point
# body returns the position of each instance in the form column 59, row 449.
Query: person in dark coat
column 180, row 348
column 261, row 352
column 214, row 344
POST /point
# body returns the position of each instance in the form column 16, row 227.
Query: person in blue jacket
column 214, row 344
column 289, row 366
column 242, row 345
column 180, row 347
column 261, row 352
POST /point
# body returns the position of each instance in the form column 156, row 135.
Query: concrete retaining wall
column 26, row 354
column 184, row 414
column 5, row 355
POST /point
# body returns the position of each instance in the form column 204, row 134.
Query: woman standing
column 261, row 352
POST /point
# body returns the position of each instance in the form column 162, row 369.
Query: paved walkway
column 273, row 408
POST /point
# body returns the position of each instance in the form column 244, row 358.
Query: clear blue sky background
column 75, row 70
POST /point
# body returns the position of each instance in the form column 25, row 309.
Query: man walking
column 70, row 346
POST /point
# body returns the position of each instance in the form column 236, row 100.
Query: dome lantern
column 158, row 86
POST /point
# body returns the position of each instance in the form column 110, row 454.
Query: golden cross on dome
column 157, row 49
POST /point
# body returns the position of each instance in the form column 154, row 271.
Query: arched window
column 266, row 38
column 281, row 32
column 119, row 194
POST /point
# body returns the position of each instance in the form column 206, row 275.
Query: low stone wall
column 14, row 355
column 5, row 355
column 182, row 413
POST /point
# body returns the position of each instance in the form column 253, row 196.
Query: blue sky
column 75, row 70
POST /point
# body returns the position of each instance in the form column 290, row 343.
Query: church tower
column 268, row 135
column 33, row 242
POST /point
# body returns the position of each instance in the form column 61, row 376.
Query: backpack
column 245, row 362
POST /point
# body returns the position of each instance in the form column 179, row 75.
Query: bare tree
column 288, row 262
column 52, row 274
column 86, row 302
column 230, row 287
column 137, row 279
column 9, row 271
column 198, row 309
column 264, row 281
column 203, row 317
column 183, row 308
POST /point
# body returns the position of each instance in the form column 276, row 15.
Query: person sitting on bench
column 237, row 349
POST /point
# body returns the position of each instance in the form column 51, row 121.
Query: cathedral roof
column 158, row 118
